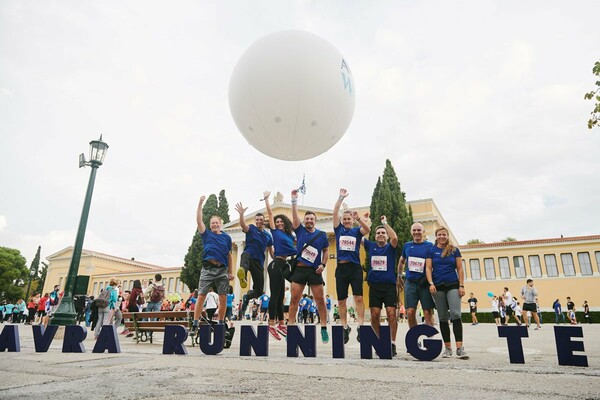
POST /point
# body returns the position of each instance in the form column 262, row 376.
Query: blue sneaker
column 324, row 335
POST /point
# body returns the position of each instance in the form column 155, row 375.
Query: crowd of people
column 430, row 275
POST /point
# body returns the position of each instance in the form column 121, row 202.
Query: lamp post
column 66, row 314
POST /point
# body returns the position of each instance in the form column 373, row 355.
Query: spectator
column 105, row 313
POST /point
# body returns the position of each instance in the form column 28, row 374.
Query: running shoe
column 274, row 332
column 193, row 331
column 241, row 274
column 125, row 332
column 324, row 335
column 282, row 329
column 347, row 334
column 394, row 353
column 448, row 352
column 461, row 353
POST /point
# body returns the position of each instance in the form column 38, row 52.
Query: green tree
column 13, row 274
column 192, row 263
column 210, row 208
column 594, row 95
column 35, row 265
column 42, row 276
column 388, row 199
column 509, row 239
column 475, row 241
column 223, row 208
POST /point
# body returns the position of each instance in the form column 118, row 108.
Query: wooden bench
column 142, row 325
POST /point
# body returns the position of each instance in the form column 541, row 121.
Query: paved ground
column 140, row 371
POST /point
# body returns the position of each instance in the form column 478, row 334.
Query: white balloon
column 291, row 95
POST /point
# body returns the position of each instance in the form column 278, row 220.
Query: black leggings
column 456, row 327
column 277, row 286
column 258, row 275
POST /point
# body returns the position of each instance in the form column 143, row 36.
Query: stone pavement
column 140, row 371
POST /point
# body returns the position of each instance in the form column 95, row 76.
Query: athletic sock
column 195, row 322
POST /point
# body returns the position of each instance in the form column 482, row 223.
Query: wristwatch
column 430, row 283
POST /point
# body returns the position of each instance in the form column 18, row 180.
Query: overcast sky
column 478, row 104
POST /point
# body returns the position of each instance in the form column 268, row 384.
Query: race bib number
column 310, row 254
column 416, row 264
column 379, row 263
column 347, row 243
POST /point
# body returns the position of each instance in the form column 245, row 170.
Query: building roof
column 90, row 253
column 531, row 242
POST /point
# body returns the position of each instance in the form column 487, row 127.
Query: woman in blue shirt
column 283, row 244
column 445, row 275
column 105, row 313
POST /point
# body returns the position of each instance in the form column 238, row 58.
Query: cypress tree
column 388, row 199
column 223, row 208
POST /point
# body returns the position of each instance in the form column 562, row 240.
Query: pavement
column 141, row 371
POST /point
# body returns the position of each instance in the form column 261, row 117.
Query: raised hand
column 240, row 208
column 266, row 195
column 343, row 193
column 383, row 219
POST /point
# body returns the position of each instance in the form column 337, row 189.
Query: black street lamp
column 66, row 314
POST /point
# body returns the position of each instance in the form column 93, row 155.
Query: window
column 124, row 285
column 178, row 287
column 95, row 289
column 551, row 267
column 585, row 264
column 475, row 269
column 567, row 262
column 186, row 289
column 519, row 262
column 60, row 282
column 171, row 285
column 464, row 265
column 536, row 267
column 504, row 267
column 490, row 271
column 598, row 260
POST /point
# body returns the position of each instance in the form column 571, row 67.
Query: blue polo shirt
column 415, row 255
column 382, row 261
column 230, row 297
column 283, row 243
column 444, row 268
column 348, row 243
column 257, row 242
column 216, row 246
column 264, row 301
column 311, row 256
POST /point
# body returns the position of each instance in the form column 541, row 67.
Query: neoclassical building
column 560, row 267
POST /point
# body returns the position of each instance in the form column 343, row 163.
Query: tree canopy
column 594, row 95
column 388, row 199
column 13, row 273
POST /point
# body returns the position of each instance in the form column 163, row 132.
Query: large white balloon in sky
column 291, row 95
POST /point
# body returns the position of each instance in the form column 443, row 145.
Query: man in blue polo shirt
column 253, row 258
column 416, row 288
column 349, row 271
column 313, row 252
column 382, row 277
column 217, row 266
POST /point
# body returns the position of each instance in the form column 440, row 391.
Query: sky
column 477, row 104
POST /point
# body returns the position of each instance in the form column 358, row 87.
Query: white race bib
column 310, row 254
column 379, row 263
column 347, row 243
column 416, row 264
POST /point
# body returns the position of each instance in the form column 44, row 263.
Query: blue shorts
column 413, row 294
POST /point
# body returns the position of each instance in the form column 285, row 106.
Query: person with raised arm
column 312, row 250
column 217, row 265
column 348, row 271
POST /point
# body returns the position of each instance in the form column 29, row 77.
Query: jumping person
column 283, row 243
column 217, row 266
column 312, row 250
column 349, row 271
column 382, row 277
column 253, row 258
column 416, row 289
column 445, row 276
